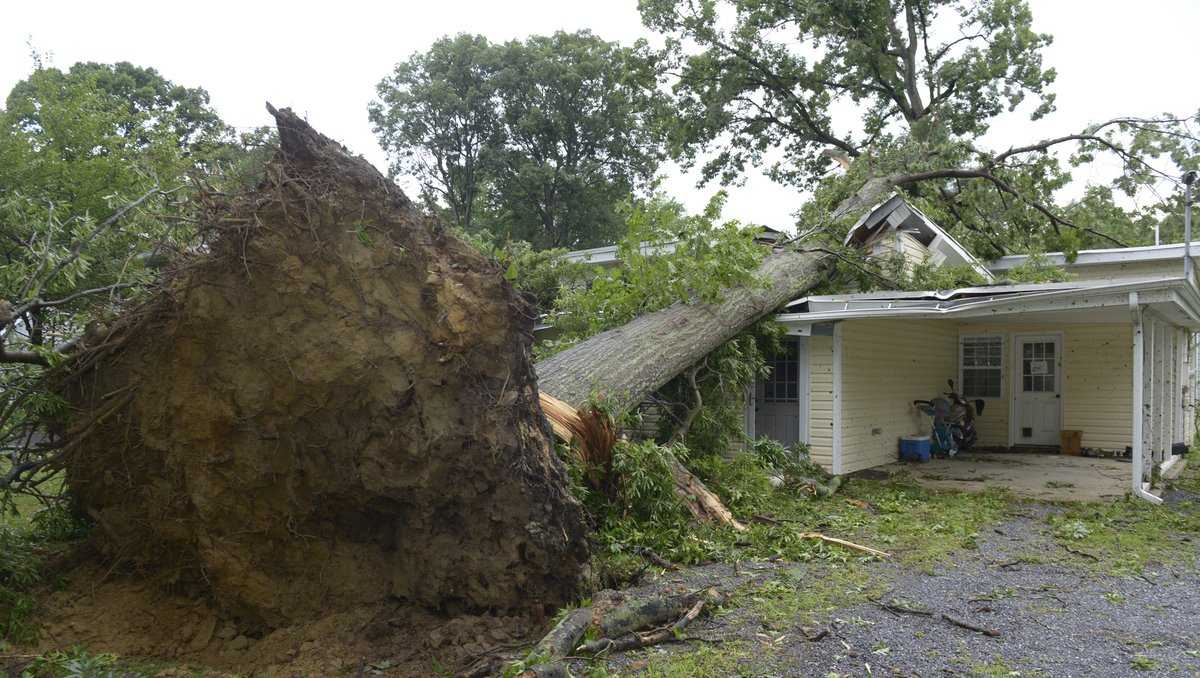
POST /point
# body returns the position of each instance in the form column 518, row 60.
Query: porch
column 1043, row 476
column 1113, row 361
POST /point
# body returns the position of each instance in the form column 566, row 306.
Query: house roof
column 1084, row 301
column 1115, row 255
column 607, row 255
column 896, row 214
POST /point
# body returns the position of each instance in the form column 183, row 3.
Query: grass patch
column 920, row 527
column 806, row 596
column 724, row 661
column 1127, row 537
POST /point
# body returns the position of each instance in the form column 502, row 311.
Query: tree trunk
column 627, row 363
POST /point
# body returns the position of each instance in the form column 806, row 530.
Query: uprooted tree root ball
column 333, row 405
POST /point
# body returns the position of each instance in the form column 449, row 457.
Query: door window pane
column 782, row 384
column 1039, row 367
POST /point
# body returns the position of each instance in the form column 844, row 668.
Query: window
column 782, row 385
column 982, row 366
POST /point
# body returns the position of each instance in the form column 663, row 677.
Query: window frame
column 999, row 369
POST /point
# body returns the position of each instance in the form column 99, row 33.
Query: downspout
column 1189, row 178
column 1139, row 405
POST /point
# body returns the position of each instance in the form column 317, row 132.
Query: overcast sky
column 1113, row 57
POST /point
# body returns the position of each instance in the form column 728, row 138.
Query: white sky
column 1113, row 57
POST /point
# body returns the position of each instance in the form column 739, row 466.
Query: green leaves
column 768, row 74
column 667, row 256
column 535, row 140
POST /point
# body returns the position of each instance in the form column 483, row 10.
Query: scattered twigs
column 896, row 607
column 771, row 520
column 991, row 633
column 650, row 555
column 1085, row 554
column 847, row 544
column 899, row 607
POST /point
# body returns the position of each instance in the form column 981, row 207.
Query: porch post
column 1141, row 393
column 1169, row 363
column 1151, row 397
column 1160, row 390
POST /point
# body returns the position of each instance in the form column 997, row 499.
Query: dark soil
column 331, row 406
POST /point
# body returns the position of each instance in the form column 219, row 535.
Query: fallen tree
column 622, row 366
column 625, row 364
column 333, row 405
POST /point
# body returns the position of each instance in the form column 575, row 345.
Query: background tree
column 437, row 117
column 95, row 163
column 536, row 140
column 580, row 119
column 925, row 78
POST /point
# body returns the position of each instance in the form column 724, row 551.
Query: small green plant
column 77, row 662
column 646, row 484
column 1140, row 662
column 1074, row 530
column 19, row 572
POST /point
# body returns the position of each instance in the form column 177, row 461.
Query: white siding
column 820, row 400
column 886, row 364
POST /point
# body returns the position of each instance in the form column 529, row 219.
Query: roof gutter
column 936, row 309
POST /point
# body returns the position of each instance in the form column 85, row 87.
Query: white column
column 1160, row 390
column 1152, row 377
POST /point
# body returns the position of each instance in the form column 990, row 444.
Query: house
column 1111, row 353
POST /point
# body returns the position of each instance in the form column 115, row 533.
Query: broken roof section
column 895, row 216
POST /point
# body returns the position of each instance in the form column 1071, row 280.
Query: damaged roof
column 1093, row 300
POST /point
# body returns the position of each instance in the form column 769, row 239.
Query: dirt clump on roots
column 331, row 408
column 185, row 636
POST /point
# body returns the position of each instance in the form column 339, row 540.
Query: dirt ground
column 1064, row 589
column 159, row 634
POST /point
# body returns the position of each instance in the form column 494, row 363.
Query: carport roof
column 1172, row 298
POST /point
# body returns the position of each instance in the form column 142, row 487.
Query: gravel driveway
column 1050, row 616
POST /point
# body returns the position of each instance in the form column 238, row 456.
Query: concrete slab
column 1049, row 477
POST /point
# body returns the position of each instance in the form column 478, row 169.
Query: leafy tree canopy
column 95, row 163
column 535, row 140
column 666, row 256
column 901, row 91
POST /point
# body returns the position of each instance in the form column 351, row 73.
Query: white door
column 781, row 398
column 1038, row 390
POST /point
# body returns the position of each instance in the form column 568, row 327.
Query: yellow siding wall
column 820, row 399
column 1097, row 383
column 886, row 364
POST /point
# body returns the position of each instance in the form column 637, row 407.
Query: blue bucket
column 915, row 448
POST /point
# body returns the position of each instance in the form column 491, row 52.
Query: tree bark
column 627, row 363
